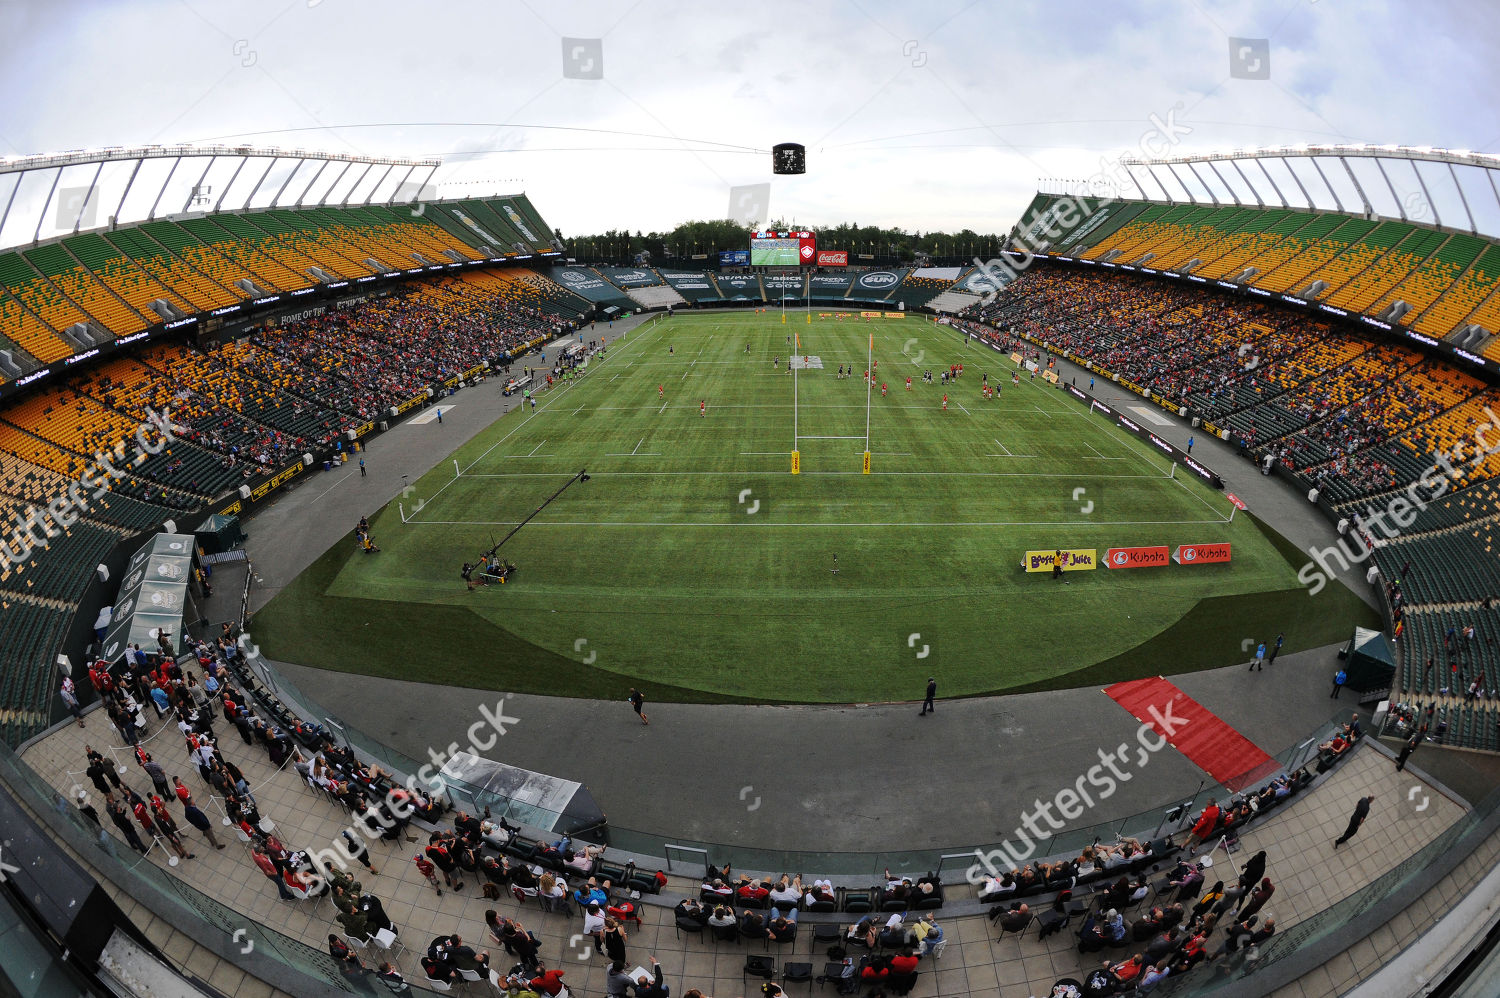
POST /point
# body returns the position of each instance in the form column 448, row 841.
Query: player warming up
column 661, row 391
column 703, row 408
column 945, row 401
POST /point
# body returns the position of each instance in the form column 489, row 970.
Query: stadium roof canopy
column 59, row 194
column 1453, row 189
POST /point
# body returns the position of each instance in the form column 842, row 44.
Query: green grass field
column 695, row 565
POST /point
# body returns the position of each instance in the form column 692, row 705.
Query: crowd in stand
column 1334, row 399
column 389, row 350
column 259, row 405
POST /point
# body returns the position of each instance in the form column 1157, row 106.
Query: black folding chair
column 798, row 972
column 825, row 934
column 759, row 966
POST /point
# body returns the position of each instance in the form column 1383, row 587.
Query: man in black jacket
column 1361, row 812
column 121, row 818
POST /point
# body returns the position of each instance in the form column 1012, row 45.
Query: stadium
column 1091, row 596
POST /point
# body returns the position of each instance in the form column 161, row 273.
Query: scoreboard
column 783, row 249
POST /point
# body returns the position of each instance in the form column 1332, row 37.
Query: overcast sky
column 932, row 115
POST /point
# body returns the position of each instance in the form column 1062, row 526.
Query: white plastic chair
column 387, row 938
column 437, row 985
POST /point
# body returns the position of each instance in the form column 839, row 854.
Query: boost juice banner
column 1201, row 554
column 1153, row 557
column 1073, row 560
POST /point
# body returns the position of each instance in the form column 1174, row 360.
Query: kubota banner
column 1201, row 554
column 1153, row 557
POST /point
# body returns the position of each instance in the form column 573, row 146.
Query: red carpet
column 1213, row 746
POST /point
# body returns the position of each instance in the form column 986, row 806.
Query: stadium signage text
column 81, row 356
column 1149, row 557
column 1201, row 554
column 833, row 258
column 878, row 279
column 275, row 481
column 1073, row 560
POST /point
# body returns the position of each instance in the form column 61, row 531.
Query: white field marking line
column 530, row 416
column 578, row 410
column 804, row 436
column 1006, row 449
column 895, row 474
column 879, row 453
column 763, row 453
column 961, row 406
column 1093, row 521
column 826, row 405
column 1044, row 412
column 616, row 376
column 1200, row 499
column 659, row 411
column 1100, row 457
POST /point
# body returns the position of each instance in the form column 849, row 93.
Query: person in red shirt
column 274, row 875
column 752, row 891
column 429, row 871
column 904, row 962
column 1207, row 822
column 547, row 982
